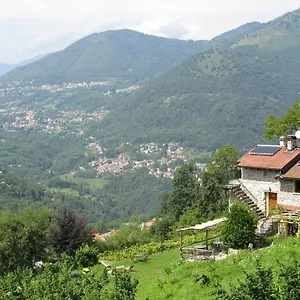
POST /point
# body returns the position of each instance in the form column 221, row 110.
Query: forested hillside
column 121, row 54
column 220, row 96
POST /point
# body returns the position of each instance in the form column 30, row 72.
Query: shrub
column 239, row 229
column 86, row 256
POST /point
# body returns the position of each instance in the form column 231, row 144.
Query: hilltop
column 280, row 34
column 120, row 54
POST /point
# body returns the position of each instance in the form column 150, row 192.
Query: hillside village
column 23, row 88
column 160, row 160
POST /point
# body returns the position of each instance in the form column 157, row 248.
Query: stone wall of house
column 286, row 195
column 258, row 182
column 286, row 186
column 259, row 175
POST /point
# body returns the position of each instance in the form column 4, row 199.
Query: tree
column 281, row 126
column 239, row 228
column 185, row 193
column 162, row 227
column 69, row 232
column 223, row 162
column 219, row 172
column 212, row 194
column 23, row 238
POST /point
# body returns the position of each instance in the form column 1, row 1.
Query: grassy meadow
column 92, row 182
column 164, row 276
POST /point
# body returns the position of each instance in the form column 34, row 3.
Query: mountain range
column 220, row 96
column 5, row 68
column 200, row 93
column 122, row 54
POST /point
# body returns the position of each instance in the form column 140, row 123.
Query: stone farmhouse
column 270, row 177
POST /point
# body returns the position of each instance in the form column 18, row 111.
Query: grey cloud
column 174, row 30
column 31, row 27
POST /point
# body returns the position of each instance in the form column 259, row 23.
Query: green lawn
column 92, row 182
column 163, row 276
column 65, row 191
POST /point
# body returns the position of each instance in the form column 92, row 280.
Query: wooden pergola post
column 279, row 228
column 181, row 244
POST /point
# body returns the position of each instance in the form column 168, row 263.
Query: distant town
column 160, row 160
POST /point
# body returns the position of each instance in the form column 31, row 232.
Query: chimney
column 282, row 141
column 291, row 143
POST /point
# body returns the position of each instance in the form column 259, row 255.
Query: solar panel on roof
column 265, row 150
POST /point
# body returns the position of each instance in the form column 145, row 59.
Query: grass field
column 66, row 191
column 163, row 276
column 92, row 182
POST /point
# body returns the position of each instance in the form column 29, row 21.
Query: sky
column 32, row 27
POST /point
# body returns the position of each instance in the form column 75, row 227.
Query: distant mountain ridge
column 121, row 54
column 5, row 68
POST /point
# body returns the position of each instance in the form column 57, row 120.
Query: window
column 297, row 186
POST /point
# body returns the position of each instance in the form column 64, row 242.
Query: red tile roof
column 293, row 172
column 281, row 160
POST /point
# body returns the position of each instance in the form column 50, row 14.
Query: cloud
column 30, row 27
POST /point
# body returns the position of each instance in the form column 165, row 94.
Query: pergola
column 207, row 226
column 286, row 218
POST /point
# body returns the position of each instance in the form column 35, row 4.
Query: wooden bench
column 104, row 263
column 113, row 269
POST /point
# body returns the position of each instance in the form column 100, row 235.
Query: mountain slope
column 4, row 68
column 216, row 97
column 230, row 37
column 124, row 54
column 32, row 60
column 280, row 34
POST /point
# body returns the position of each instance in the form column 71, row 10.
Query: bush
column 239, row 229
column 265, row 284
column 86, row 256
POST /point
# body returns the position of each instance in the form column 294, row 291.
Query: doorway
column 272, row 201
